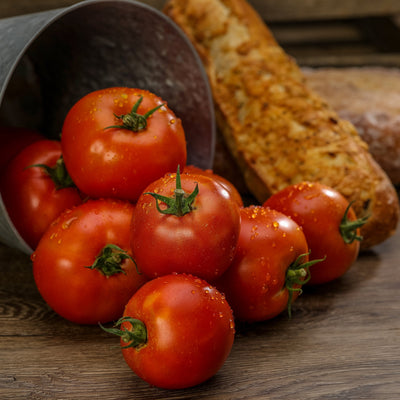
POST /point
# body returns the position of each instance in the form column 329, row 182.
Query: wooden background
column 343, row 341
column 316, row 32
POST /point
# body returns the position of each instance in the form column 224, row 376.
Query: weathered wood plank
column 342, row 342
column 295, row 10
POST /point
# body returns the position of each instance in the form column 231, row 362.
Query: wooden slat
column 348, row 60
column 312, row 32
column 295, row 10
column 363, row 41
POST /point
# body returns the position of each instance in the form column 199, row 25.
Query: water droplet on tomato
column 264, row 288
column 67, row 224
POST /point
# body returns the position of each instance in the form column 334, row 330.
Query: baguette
column 369, row 97
column 278, row 130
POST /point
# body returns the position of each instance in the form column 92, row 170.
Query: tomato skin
column 79, row 294
column 202, row 242
column 254, row 284
column 191, row 169
column 116, row 162
column 319, row 209
column 190, row 330
column 13, row 140
column 29, row 194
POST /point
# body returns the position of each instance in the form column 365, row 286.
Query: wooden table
column 343, row 341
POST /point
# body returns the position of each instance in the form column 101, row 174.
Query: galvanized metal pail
column 60, row 55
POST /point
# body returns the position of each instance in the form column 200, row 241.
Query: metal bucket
column 61, row 55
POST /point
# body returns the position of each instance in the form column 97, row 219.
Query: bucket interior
column 99, row 44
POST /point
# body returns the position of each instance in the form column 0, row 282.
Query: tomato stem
column 134, row 121
column 58, row 174
column 349, row 229
column 298, row 273
column 181, row 203
column 135, row 336
column 109, row 261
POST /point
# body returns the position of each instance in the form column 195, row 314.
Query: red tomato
column 69, row 273
column 191, row 169
column 111, row 149
column 30, row 195
column 269, row 268
column 330, row 230
column 13, row 140
column 200, row 241
column 177, row 331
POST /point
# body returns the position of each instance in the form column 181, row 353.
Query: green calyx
column 348, row 229
column 58, row 174
column 133, row 121
column 298, row 273
column 181, row 203
column 135, row 337
column 109, row 261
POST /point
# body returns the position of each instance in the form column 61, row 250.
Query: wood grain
column 343, row 341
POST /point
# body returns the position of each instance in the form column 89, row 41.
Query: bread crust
column 369, row 97
column 278, row 130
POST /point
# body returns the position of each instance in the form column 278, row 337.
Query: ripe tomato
column 13, row 140
column 82, row 267
column 330, row 226
column 31, row 196
column 231, row 189
column 195, row 233
column 176, row 331
column 112, row 149
column 270, row 266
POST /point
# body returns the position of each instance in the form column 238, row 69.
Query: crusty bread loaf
column 276, row 128
column 369, row 97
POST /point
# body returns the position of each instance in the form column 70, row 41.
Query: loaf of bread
column 278, row 130
column 369, row 97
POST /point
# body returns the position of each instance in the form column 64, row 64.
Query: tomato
column 31, row 196
column 13, row 140
column 191, row 169
column 112, row 149
column 82, row 266
column 329, row 224
column 176, row 331
column 270, row 266
column 195, row 233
